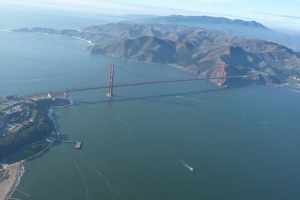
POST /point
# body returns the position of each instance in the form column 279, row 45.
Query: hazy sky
column 274, row 13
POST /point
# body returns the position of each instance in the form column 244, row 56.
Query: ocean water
column 190, row 140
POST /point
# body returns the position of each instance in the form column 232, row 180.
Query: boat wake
column 83, row 178
column 186, row 165
column 189, row 167
column 126, row 124
column 297, row 91
column 190, row 98
column 110, row 187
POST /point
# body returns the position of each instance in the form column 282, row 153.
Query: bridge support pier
column 50, row 95
column 111, row 81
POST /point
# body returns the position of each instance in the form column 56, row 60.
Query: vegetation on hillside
column 191, row 48
column 37, row 128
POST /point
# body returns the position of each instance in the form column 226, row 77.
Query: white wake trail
column 81, row 174
column 189, row 167
column 190, row 99
column 106, row 182
column 186, row 165
column 126, row 123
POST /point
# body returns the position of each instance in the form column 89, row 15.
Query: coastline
column 15, row 171
column 52, row 119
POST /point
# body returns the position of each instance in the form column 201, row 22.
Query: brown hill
column 195, row 50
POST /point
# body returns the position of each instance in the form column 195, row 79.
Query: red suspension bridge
column 65, row 92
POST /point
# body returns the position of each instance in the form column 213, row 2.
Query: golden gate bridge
column 65, row 92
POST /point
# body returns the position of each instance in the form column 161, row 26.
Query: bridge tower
column 66, row 94
column 222, row 74
column 111, row 81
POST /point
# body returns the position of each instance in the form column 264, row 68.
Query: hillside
column 222, row 25
column 191, row 49
column 217, row 24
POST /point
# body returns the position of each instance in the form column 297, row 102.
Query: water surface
column 242, row 143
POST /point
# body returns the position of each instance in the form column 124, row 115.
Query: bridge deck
column 61, row 92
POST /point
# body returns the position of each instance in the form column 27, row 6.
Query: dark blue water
column 189, row 140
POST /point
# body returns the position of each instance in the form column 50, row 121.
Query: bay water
column 185, row 140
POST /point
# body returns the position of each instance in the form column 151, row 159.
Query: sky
column 277, row 14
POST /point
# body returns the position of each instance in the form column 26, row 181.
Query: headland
column 27, row 130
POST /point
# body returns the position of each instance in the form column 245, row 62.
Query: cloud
column 281, row 22
column 235, row 9
column 282, row 16
column 86, row 6
column 215, row 1
column 112, row 7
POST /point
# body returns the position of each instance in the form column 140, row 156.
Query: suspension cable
column 135, row 74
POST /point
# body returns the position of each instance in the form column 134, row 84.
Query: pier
column 78, row 144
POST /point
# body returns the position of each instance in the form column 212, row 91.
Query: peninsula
column 26, row 130
column 192, row 48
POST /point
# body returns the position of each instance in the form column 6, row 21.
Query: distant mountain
column 137, row 16
column 216, row 24
column 237, row 27
column 191, row 49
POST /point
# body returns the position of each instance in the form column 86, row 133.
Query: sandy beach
column 8, row 184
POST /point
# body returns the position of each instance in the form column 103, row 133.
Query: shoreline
column 10, row 183
column 16, row 170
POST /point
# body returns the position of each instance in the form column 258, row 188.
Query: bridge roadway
column 61, row 92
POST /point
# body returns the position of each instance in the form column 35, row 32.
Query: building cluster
column 12, row 115
column 295, row 78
